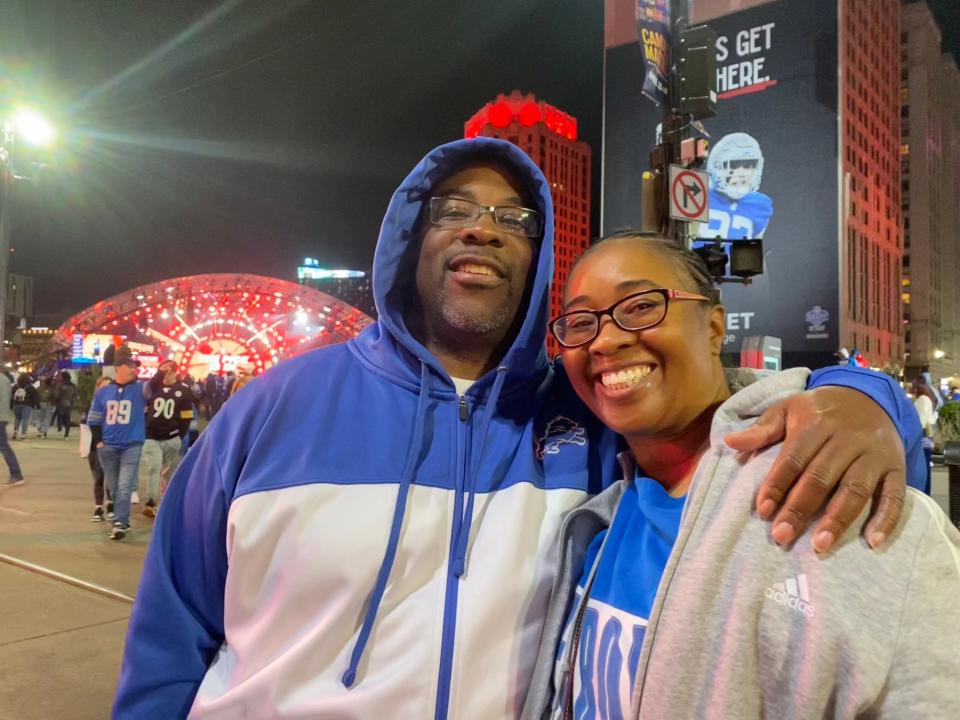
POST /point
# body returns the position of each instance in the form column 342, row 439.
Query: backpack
column 20, row 395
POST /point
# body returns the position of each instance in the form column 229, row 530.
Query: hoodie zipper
column 572, row 659
column 453, row 582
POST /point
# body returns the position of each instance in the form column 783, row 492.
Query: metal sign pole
column 6, row 205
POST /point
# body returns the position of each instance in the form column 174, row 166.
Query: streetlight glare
column 33, row 128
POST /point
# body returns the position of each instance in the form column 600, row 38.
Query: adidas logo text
column 793, row 593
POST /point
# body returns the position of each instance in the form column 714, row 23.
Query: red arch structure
column 213, row 322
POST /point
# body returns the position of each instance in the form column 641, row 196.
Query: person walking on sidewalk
column 24, row 403
column 96, row 469
column 6, row 415
column 168, row 422
column 116, row 421
column 46, row 397
column 66, row 397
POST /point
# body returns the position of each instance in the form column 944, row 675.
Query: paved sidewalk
column 60, row 644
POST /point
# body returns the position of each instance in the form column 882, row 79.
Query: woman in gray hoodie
column 672, row 599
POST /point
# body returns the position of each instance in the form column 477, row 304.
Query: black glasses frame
column 665, row 293
column 493, row 211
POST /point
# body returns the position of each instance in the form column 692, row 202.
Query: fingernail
column 782, row 533
column 766, row 508
column 822, row 541
column 876, row 539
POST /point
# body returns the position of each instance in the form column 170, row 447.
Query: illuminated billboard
column 311, row 270
column 773, row 165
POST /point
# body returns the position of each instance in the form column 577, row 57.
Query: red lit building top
column 549, row 137
column 526, row 111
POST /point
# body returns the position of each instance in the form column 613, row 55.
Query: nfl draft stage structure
column 212, row 323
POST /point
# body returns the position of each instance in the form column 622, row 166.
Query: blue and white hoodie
column 349, row 538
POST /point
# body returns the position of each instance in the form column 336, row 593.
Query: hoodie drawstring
column 391, row 552
column 460, row 548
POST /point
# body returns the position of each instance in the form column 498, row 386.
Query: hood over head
column 397, row 253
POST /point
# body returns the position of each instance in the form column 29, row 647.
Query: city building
column 30, row 344
column 549, row 137
column 871, row 241
column 810, row 91
column 19, row 308
column 354, row 287
column 930, row 167
column 19, row 297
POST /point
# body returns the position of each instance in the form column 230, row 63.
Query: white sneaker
column 134, row 499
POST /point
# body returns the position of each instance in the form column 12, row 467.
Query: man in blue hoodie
column 380, row 546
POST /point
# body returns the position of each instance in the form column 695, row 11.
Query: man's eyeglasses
column 457, row 212
column 634, row 312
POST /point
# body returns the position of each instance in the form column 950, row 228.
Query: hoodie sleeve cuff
column 888, row 394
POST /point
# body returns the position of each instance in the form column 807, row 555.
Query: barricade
column 951, row 458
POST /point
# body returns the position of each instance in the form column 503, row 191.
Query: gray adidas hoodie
column 741, row 628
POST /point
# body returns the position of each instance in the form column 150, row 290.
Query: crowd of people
column 138, row 430
column 215, row 389
column 46, row 400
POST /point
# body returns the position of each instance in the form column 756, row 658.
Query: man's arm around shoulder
column 884, row 391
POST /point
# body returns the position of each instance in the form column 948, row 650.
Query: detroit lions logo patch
column 560, row 430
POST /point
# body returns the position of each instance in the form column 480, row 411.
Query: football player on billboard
column 738, row 210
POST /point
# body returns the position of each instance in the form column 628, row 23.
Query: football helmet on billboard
column 735, row 165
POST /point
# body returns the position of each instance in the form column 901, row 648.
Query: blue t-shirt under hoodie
column 635, row 552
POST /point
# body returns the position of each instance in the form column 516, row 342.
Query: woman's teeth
column 625, row 378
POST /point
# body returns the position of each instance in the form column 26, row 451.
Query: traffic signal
column 715, row 258
column 695, row 72
column 746, row 258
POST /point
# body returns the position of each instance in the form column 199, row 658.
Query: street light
column 939, row 354
column 33, row 129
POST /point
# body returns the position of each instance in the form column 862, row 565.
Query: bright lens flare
column 33, row 128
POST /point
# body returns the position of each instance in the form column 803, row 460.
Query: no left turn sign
column 689, row 199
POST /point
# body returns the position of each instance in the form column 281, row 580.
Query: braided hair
column 691, row 263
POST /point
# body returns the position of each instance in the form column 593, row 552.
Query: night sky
column 243, row 135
